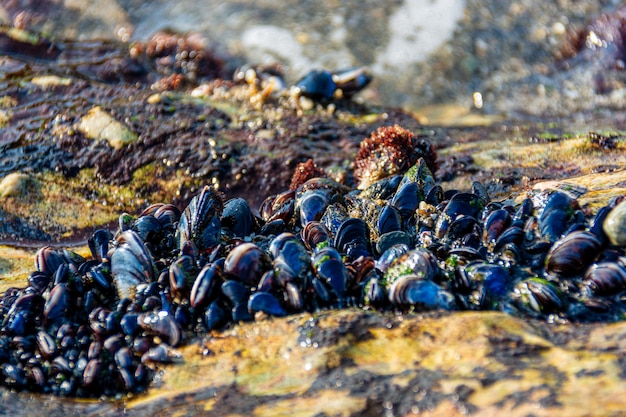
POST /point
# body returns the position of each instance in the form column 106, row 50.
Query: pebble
column 615, row 225
column 100, row 125
column 15, row 184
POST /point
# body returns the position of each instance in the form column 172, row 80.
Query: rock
column 50, row 81
column 366, row 363
column 98, row 124
column 615, row 225
column 16, row 184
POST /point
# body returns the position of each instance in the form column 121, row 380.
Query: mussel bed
column 102, row 325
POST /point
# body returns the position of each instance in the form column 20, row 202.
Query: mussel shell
column 235, row 292
column 216, row 315
column 540, row 296
column 58, row 304
column 99, row 244
column 412, row 290
column 161, row 353
column 374, row 293
column 149, row 229
column 161, row 324
column 389, row 220
column 407, row 198
column 314, row 234
column 606, row 278
column 466, row 204
column 418, row 262
column 131, row 264
column 614, row 224
column 318, row 85
column 352, row 80
column 200, row 221
column 523, row 213
column 391, row 239
column 46, row 345
column 434, row 196
column 496, row 224
column 382, row 189
column 334, row 272
column 237, row 217
column 266, row 303
column 352, row 232
column 247, row 263
column 47, row 260
column 294, row 255
column 556, row 216
column 206, row 286
column 182, row 276
column 572, row 254
column 312, row 205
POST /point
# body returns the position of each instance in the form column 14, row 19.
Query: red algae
column 388, row 151
column 305, row 171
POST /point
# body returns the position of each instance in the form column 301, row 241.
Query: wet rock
column 99, row 125
column 355, row 363
column 615, row 225
column 16, row 184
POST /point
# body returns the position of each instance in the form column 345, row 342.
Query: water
column 486, row 55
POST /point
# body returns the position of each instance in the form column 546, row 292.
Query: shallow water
column 494, row 57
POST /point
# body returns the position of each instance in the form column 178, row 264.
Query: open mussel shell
column 352, row 80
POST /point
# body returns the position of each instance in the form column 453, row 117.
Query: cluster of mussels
column 101, row 326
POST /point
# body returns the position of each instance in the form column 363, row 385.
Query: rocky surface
column 58, row 185
column 349, row 363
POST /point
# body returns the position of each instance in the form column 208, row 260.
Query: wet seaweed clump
column 104, row 324
column 388, row 151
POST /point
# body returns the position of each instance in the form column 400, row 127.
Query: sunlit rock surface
column 347, row 363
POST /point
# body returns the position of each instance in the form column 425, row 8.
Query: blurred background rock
column 518, row 58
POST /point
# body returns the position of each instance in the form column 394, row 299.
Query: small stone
column 98, row 124
column 15, row 184
column 50, row 81
column 615, row 225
